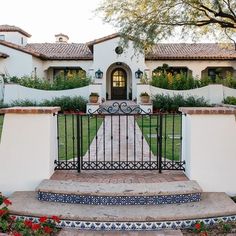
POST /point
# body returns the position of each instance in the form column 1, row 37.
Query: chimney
column 61, row 38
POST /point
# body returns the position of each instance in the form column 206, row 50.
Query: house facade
column 105, row 61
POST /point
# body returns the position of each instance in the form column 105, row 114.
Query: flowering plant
column 200, row 228
column 46, row 226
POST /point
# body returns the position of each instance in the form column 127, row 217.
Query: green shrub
column 66, row 103
column 167, row 103
column 174, row 82
column 230, row 100
column 59, row 83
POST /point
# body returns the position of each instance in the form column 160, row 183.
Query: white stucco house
column 119, row 66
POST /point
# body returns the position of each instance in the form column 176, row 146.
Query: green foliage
column 230, row 100
column 66, row 103
column 167, row 103
column 144, row 94
column 148, row 21
column 180, row 81
column 13, row 226
column 59, row 83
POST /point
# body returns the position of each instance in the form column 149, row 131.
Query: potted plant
column 145, row 98
column 93, row 97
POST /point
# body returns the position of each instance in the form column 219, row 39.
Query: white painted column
column 28, row 147
column 209, row 147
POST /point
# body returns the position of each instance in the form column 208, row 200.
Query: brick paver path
column 119, row 138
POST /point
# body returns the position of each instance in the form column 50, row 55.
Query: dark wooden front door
column 118, row 84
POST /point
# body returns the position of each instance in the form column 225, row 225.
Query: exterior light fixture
column 138, row 74
column 98, row 74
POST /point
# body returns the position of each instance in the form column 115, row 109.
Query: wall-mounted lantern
column 98, row 74
column 138, row 74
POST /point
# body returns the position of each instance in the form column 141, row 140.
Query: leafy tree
column 147, row 21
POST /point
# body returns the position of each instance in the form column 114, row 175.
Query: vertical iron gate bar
column 142, row 140
column 157, row 138
column 81, row 139
column 119, row 140
column 104, row 141
column 78, row 117
column 127, row 136
column 173, row 138
column 134, row 140
column 58, row 139
column 73, row 136
column 150, row 138
column 180, row 138
column 160, row 145
column 88, row 138
column 96, row 140
column 66, row 138
column 165, row 135
column 111, row 140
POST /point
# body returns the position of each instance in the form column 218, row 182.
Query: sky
column 45, row 18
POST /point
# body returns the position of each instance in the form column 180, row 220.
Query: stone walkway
column 119, row 139
column 126, row 176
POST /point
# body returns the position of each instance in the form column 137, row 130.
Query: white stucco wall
column 212, row 93
column 209, row 151
column 104, row 56
column 17, row 64
column 28, row 149
column 196, row 66
column 13, row 92
column 15, row 37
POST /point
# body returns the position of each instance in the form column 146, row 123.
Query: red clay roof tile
column 12, row 28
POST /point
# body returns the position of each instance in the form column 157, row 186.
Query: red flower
column 43, row 219
column 17, row 234
column 28, row 223
column 35, row 227
column 7, row 202
column 13, row 218
column 198, row 226
column 47, row 229
column 56, row 219
column 2, row 212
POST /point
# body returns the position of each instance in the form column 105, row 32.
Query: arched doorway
column 118, row 84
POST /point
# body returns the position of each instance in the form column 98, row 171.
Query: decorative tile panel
column 135, row 226
column 118, row 200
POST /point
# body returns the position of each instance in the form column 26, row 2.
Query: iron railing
column 119, row 138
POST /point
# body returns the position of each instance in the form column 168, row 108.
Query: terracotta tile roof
column 62, row 51
column 21, row 48
column 3, row 55
column 184, row 51
column 12, row 28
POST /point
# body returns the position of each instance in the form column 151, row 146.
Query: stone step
column 73, row 232
column 120, row 193
column 212, row 208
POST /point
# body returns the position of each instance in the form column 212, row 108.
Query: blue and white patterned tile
column 119, row 200
column 134, row 226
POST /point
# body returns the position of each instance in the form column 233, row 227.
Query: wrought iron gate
column 119, row 137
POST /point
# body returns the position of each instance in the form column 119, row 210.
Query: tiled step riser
column 135, row 226
column 118, row 200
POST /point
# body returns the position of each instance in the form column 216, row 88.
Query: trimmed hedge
column 66, row 103
column 230, row 100
column 59, row 83
column 167, row 103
